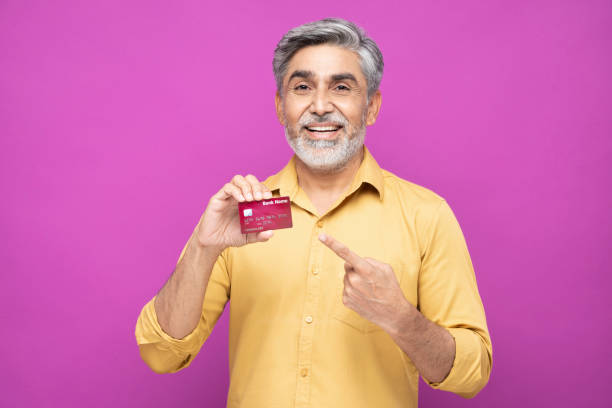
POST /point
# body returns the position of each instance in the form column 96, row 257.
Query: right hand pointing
column 219, row 226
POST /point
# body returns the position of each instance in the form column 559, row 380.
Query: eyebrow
column 301, row 74
column 343, row 76
column 310, row 74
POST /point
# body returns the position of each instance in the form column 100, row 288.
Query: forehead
column 326, row 60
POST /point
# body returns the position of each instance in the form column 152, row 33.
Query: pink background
column 118, row 121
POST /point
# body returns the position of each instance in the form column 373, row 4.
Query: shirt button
column 315, row 271
column 304, row 372
column 308, row 319
column 320, row 224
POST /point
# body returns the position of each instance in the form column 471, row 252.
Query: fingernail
column 241, row 197
column 322, row 237
column 268, row 194
column 258, row 195
column 249, row 196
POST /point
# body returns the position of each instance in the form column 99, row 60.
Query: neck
column 324, row 187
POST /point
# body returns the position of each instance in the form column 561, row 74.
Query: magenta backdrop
column 120, row 119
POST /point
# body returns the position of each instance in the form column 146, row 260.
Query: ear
column 374, row 108
column 279, row 108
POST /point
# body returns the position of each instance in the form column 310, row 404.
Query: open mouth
column 323, row 131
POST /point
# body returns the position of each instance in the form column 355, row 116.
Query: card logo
column 248, row 212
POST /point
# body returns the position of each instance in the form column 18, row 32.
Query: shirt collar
column 369, row 172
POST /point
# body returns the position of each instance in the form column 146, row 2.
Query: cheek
column 294, row 108
column 352, row 112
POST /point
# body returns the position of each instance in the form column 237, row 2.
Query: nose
column 321, row 103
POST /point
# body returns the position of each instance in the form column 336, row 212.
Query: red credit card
column 263, row 215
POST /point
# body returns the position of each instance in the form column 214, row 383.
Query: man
column 372, row 286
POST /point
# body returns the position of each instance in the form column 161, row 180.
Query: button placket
column 313, row 292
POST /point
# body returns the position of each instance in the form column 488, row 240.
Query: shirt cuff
column 469, row 373
column 149, row 331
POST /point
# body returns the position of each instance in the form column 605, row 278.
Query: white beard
column 327, row 155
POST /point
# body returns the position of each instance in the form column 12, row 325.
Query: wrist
column 404, row 320
column 206, row 249
column 203, row 243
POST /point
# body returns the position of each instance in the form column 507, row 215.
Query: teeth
column 323, row 128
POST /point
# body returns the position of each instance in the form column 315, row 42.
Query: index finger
column 343, row 251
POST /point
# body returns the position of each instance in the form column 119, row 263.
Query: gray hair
column 330, row 31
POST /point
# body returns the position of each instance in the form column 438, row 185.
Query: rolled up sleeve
column 448, row 296
column 166, row 354
column 471, row 367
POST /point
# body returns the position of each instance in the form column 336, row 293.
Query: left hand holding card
column 220, row 227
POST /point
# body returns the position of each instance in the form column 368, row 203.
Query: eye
column 300, row 87
column 343, row 88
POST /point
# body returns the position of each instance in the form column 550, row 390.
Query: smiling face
column 324, row 106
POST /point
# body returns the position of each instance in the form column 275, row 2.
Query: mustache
column 309, row 119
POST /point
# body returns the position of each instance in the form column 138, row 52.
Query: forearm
column 430, row 347
column 178, row 304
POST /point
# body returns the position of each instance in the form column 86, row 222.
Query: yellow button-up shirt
column 293, row 343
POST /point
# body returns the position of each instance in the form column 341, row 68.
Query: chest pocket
column 348, row 316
